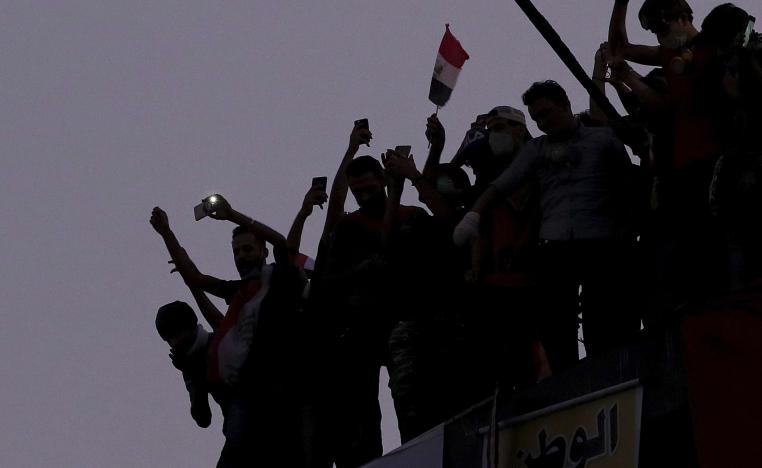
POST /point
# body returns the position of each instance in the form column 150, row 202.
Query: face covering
column 674, row 40
column 501, row 144
column 445, row 186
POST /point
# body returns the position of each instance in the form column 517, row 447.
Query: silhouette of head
column 177, row 324
column 249, row 252
column 549, row 107
column 365, row 178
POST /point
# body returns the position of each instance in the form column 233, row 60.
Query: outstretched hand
column 602, row 62
column 315, row 196
column 359, row 136
column 221, row 209
column 400, row 166
column 160, row 221
column 394, row 180
column 435, row 131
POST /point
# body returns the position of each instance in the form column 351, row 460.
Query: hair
column 363, row 164
column 722, row 24
column 243, row 229
column 174, row 318
column 548, row 89
column 667, row 10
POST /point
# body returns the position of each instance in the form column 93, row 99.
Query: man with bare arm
column 249, row 356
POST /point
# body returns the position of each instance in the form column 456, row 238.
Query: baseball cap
column 508, row 112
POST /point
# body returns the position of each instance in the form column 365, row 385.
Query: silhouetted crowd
column 485, row 287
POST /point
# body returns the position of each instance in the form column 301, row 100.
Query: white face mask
column 501, row 144
column 674, row 40
column 445, row 186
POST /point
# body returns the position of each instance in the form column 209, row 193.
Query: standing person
column 684, row 241
column 503, row 256
column 250, row 356
column 351, row 294
column 430, row 347
column 311, row 362
column 736, row 189
column 580, row 172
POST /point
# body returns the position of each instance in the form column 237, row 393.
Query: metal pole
column 563, row 52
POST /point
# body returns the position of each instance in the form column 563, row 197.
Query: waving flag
column 450, row 60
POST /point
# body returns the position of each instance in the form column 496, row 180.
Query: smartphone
column 206, row 206
column 749, row 30
column 363, row 123
column 322, row 183
column 403, row 150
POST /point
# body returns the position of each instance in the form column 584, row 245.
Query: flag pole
column 435, row 114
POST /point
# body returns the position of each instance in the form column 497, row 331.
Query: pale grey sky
column 108, row 108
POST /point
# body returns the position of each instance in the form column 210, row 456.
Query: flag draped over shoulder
column 450, row 60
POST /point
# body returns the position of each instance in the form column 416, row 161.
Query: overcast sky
column 109, row 108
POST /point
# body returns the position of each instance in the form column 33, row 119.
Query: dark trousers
column 594, row 277
column 347, row 416
column 682, row 247
column 503, row 332
column 261, row 429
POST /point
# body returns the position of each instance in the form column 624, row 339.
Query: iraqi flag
column 450, row 60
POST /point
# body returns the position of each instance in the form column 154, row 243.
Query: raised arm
column 183, row 264
column 649, row 98
column 223, row 211
column 405, row 167
column 314, row 196
column 435, row 133
column 211, row 313
column 339, row 188
column 395, row 186
column 600, row 66
column 620, row 44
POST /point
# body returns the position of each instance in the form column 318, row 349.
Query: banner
column 598, row 430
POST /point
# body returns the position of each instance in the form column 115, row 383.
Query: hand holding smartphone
column 363, row 123
column 320, row 183
column 403, row 150
column 203, row 209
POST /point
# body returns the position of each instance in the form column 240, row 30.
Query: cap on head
column 175, row 318
column 509, row 113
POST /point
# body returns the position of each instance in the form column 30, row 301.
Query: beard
column 247, row 268
column 375, row 204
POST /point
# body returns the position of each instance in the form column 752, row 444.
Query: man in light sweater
column 583, row 174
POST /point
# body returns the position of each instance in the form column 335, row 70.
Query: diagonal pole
column 563, row 52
